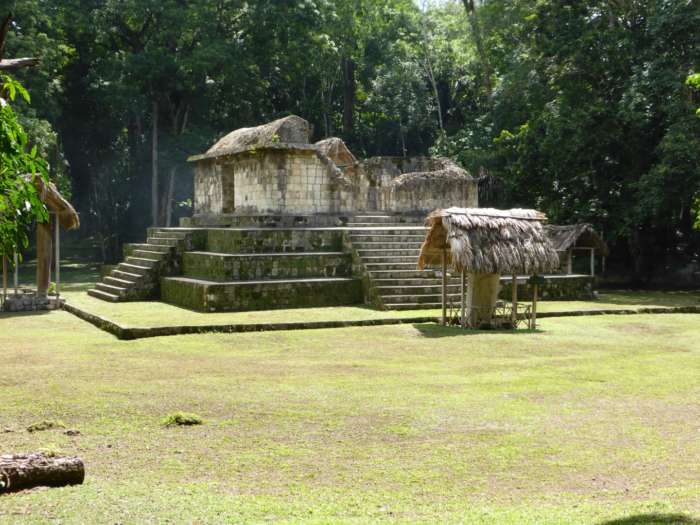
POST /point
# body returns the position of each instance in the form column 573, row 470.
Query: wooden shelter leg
column 592, row 262
column 4, row 278
column 464, row 300
column 43, row 259
column 514, row 298
column 58, row 258
column 444, row 287
column 16, row 283
column 534, row 307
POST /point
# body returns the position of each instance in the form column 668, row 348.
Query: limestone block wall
column 428, row 194
column 208, row 188
column 304, row 181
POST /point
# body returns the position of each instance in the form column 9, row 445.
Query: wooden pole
column 58, row 257
column 16, row 261
column 444, row 287
column 464, row 299
column 514, row 312
column 534, row 307
column 43, row 258
column 592, row 262
column 569, row 262
column 4, row 278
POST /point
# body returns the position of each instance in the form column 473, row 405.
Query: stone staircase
column 388, row 247
column 137, row 277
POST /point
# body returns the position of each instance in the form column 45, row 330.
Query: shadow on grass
column 436, row 331
column 653, row 519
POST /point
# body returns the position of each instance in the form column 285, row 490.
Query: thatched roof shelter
column 570, row 236
column 56, row 203
column 489, row 241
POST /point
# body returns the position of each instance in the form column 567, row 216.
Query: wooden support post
column 463, row 320
column 444, row 287
column 4, row 278
column 569, row 262
column 534, row 308
column 58, row 257
column 592, row 262
column 16, row 263
column 43, row 258
column 514, row 312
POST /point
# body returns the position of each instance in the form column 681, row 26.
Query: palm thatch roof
column 486, row 240
column 56, row 203
column 290, row 132
column 564, row 237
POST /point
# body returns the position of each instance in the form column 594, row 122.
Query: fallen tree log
column 18, row 472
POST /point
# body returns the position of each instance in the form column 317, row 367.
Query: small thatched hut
column 576, row 237
column 482, row 244
column 62, row 215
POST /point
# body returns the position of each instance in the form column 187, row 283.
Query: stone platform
column 371, row 258
column 28, row 301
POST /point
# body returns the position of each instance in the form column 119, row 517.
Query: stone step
column 140, row 261
column 116, row 281
column 149, row 254
column 374, row 252
column 401, row 274
column 248, row 266
column 98, row 294
column 150, row 247
column 433, row 289
column 379, row 266
column 414, row 245
column 133, row 268
column 389, row 230
column 162, row 241
column 210, row 296
column 412, row 306
column 119, row 291
column 390, row 259
column 169, row 233
column 418, row 299
column 383, row 225
column 385, row 239
column 126, row 276
column 418, row 281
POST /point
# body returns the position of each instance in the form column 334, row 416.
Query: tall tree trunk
column 154, row 166
column 431, row 76
column 349, row 89
column 470, row 8
column 169, row 197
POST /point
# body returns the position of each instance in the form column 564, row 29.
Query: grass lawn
column 592, row 420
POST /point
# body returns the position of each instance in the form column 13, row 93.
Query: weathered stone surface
column 232, row 267
column 209, row 296
column 269, row 240
column 29, row 301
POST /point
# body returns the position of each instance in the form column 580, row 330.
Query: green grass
column 155, row 314
column 590, row 420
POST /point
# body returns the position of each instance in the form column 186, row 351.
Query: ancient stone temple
column 274, row 170
column 281, row 222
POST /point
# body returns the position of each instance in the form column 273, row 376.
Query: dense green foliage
column 19, row 202
column 585, row 110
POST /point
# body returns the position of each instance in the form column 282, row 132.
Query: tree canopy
column 583, row 109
